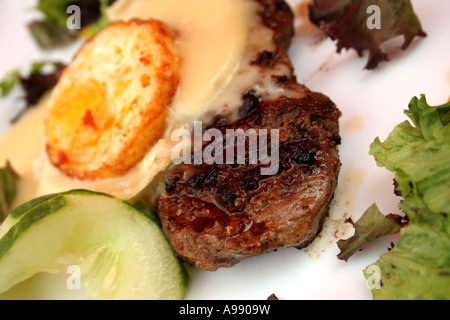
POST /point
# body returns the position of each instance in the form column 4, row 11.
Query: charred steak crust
column 277, row 15
column 217, row 215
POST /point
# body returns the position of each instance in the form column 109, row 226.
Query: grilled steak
column 216, row 215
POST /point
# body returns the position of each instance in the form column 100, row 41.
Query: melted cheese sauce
column 21, row 145
column 217, row 40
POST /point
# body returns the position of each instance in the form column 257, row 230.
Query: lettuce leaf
column 371, row 226
column 9, row 82
column 51, row 30
column 38, row 82
column 347, row 22
column 420, row 155
column 102, row 21
column 418, row 267
column 8, row 179
column 44, row 75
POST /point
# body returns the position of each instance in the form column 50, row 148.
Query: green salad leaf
column 372, row 225
column 8, row 179
column 418, row 267
column 102, row 22
column 420, row 156
column 9, row 82
column 52, row 30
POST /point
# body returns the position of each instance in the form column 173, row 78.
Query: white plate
column 372, row 103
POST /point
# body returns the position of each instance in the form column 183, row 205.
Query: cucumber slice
column 122, row 253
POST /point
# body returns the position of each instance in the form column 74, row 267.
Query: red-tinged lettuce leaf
column 371, row 226
column 346, row 21
column 326, row 11
column 44, row 76
column 39, row 82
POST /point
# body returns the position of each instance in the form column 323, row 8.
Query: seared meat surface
column 216, row 215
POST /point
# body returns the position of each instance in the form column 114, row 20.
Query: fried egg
column 110, row 105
